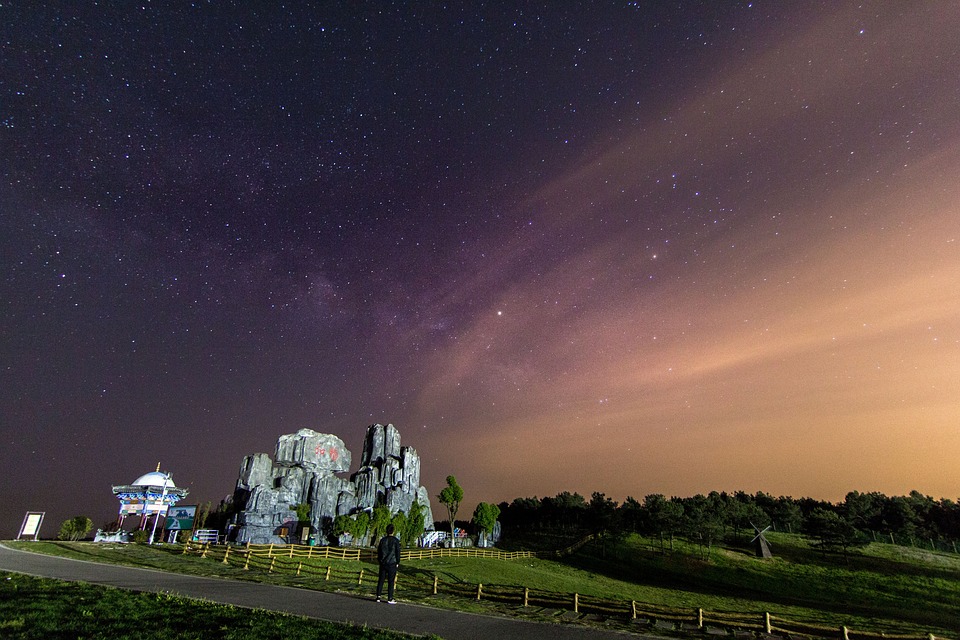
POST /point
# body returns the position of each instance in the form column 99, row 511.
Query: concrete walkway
column 409, row 618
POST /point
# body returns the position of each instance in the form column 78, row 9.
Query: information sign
column 181, row 518
column 31, row 525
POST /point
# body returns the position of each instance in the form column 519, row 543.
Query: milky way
column 609, row 247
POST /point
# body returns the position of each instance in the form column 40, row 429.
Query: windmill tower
column 760, row 542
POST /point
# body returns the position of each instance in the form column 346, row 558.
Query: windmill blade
column 760, row 533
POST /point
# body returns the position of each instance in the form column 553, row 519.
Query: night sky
column 627, row 247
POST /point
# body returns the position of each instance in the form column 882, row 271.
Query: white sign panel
column 31, row 525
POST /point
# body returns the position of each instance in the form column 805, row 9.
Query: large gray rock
column 311, row 450
column 423, row 497
column 368, row 488
column 390, row 474
column 255, row 470
column 382, row 442
column 303, row 472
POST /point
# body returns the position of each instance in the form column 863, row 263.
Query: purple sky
column 612, row 246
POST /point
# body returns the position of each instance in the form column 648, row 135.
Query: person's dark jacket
column 388, row 551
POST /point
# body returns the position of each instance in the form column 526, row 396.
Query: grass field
column 882, row 588
column 37, row 608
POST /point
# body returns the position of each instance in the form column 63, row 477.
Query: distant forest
column 915, row 519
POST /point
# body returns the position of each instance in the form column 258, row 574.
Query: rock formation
column 303, row 472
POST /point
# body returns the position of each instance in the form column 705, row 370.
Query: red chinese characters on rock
column 321, row 451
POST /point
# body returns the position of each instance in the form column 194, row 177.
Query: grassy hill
column 880, row 588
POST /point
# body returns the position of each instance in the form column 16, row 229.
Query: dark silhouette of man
column 388, row 555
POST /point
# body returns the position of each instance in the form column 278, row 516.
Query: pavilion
column 150, row 494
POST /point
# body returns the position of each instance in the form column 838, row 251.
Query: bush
column 76, row 528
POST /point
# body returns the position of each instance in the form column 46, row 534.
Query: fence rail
column 426, row 554
column 301, row 560
column 359, row 553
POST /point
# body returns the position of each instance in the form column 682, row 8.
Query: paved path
column 410, row 618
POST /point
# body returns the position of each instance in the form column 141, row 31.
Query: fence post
column 270, row 551
column 633, row 609
column 226, row 555
column 291, row 550
column 479, row 590
column 273, row 561
column 246, row 565
column 299, row 567
column 206, row 545
column 436, row 583
column 767, row 627
column 699, row 618
column 576, row 603
column 360, row 581
column 526, row 596
column 844, row 632
column 328, row 575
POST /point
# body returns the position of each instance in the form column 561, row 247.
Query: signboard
column 31, row 525
column 181, row 518
column 137, row 507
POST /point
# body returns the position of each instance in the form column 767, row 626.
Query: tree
column 863, row 510
column 361, row 529
column 414, row 526
column 605, row 520
column 302, row 510
column 451, row 497
column 379, row 521
column 631, row 514
column 356, row 526
column 604, row 515
column 662, row 516
column 342, row 524
column 786, row 514
column 833, row 532
column 400, row 522
column 521, row 513
column 202, row 514
column 900, row 518
column 566, row 510
column 76, row 528
column 485, row 517
column 703, row 520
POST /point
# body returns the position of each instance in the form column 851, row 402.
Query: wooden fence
column 302, row 560
column 363, row 553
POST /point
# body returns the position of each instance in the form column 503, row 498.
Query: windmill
column 762, row 546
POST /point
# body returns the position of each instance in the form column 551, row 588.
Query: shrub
column 76, row 528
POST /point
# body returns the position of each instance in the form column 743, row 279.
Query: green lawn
column 881, row 588
column 38, row 608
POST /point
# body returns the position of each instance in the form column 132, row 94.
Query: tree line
column 705, row 519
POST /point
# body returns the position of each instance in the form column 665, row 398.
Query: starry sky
column 626, row 247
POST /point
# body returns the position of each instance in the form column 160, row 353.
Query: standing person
column 388, row 554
